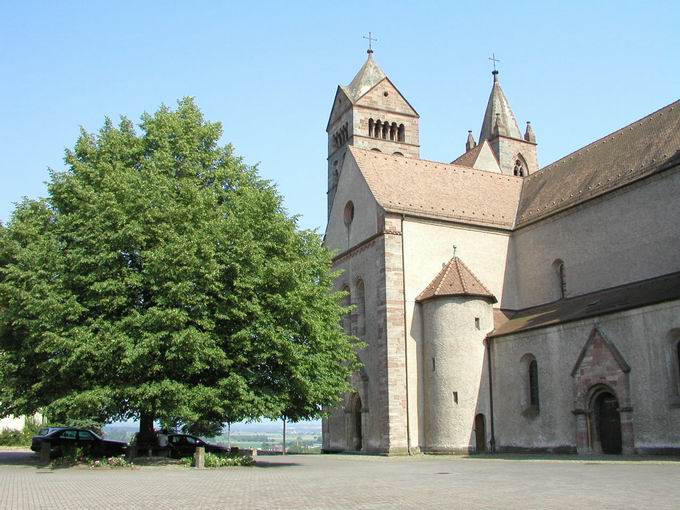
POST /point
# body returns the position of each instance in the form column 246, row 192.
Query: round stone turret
column 457, row 313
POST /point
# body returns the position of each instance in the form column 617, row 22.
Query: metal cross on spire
column 370, row 40
column 494, row 59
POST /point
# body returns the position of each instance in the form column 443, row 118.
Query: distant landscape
column 303, row 437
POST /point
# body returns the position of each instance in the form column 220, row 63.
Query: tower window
column 477, row 325
column 371, row 127
column 520, row 169
column 401, row 133
column 434, row 365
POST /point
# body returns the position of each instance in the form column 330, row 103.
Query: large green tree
column 162, row 279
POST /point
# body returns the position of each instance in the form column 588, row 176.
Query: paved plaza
column 344, row 481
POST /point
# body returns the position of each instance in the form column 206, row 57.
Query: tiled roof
column 636, row 151
column 437, row 190
column 469, row 158
column 616, row 299
column 455, row 279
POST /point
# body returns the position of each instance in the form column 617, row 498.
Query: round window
column 349, row 213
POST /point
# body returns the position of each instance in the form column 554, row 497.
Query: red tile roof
column 455, row 279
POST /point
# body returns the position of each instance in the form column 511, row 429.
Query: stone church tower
column 514, row 153
column 504, row 306
column 369, row 113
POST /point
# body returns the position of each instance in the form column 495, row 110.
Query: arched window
column 533, row 383
column 397, row 154
column 558, row 267
column 401, row 133
column 378, row 129
column 347, row 318
column 371, row 124
column 520, row 169
column 393, row 131
column 674, row 366
column 677, row 355
column 361, row 309
column 528, row 379
column 385, row 131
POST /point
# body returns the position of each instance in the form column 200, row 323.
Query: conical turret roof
column 368, row 77
column 455, row 279
column 498, row 109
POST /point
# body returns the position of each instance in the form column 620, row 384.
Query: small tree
column 162, row 279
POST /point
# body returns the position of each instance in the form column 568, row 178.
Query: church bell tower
column 516, row 153
column 369, row 113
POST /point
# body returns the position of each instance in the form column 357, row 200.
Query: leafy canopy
column 162, row 278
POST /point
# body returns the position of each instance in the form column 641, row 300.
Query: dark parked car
column 184, row 445
column 62, row 439
column 48, row 430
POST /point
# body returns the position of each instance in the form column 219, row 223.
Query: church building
column 504, row 306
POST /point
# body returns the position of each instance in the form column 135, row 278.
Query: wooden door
column 609, row 423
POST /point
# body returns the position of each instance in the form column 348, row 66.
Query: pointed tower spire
column 529, row 134
column 498, row 107
column 470, row 144
column 368, row 77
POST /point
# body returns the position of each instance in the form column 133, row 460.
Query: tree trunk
column 146, row 439
column 146, row 425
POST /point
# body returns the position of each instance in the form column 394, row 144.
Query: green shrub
column 217, row 461
column 10, row 437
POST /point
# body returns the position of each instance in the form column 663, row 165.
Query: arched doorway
column 480, row 433
column 355, row 436
column 608, row 422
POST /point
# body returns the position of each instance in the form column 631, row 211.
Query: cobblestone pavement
column 344, row 481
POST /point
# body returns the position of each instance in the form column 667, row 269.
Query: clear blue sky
column 268, row 71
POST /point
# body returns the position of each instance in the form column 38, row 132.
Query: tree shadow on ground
column 19, row 458
column 268, row 464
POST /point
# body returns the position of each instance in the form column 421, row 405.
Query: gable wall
column 392, row 108
column 351, row 186
column 625, row 236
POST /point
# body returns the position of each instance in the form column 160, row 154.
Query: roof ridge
column 455, row 166
column 604, row 138
column 457, row 261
